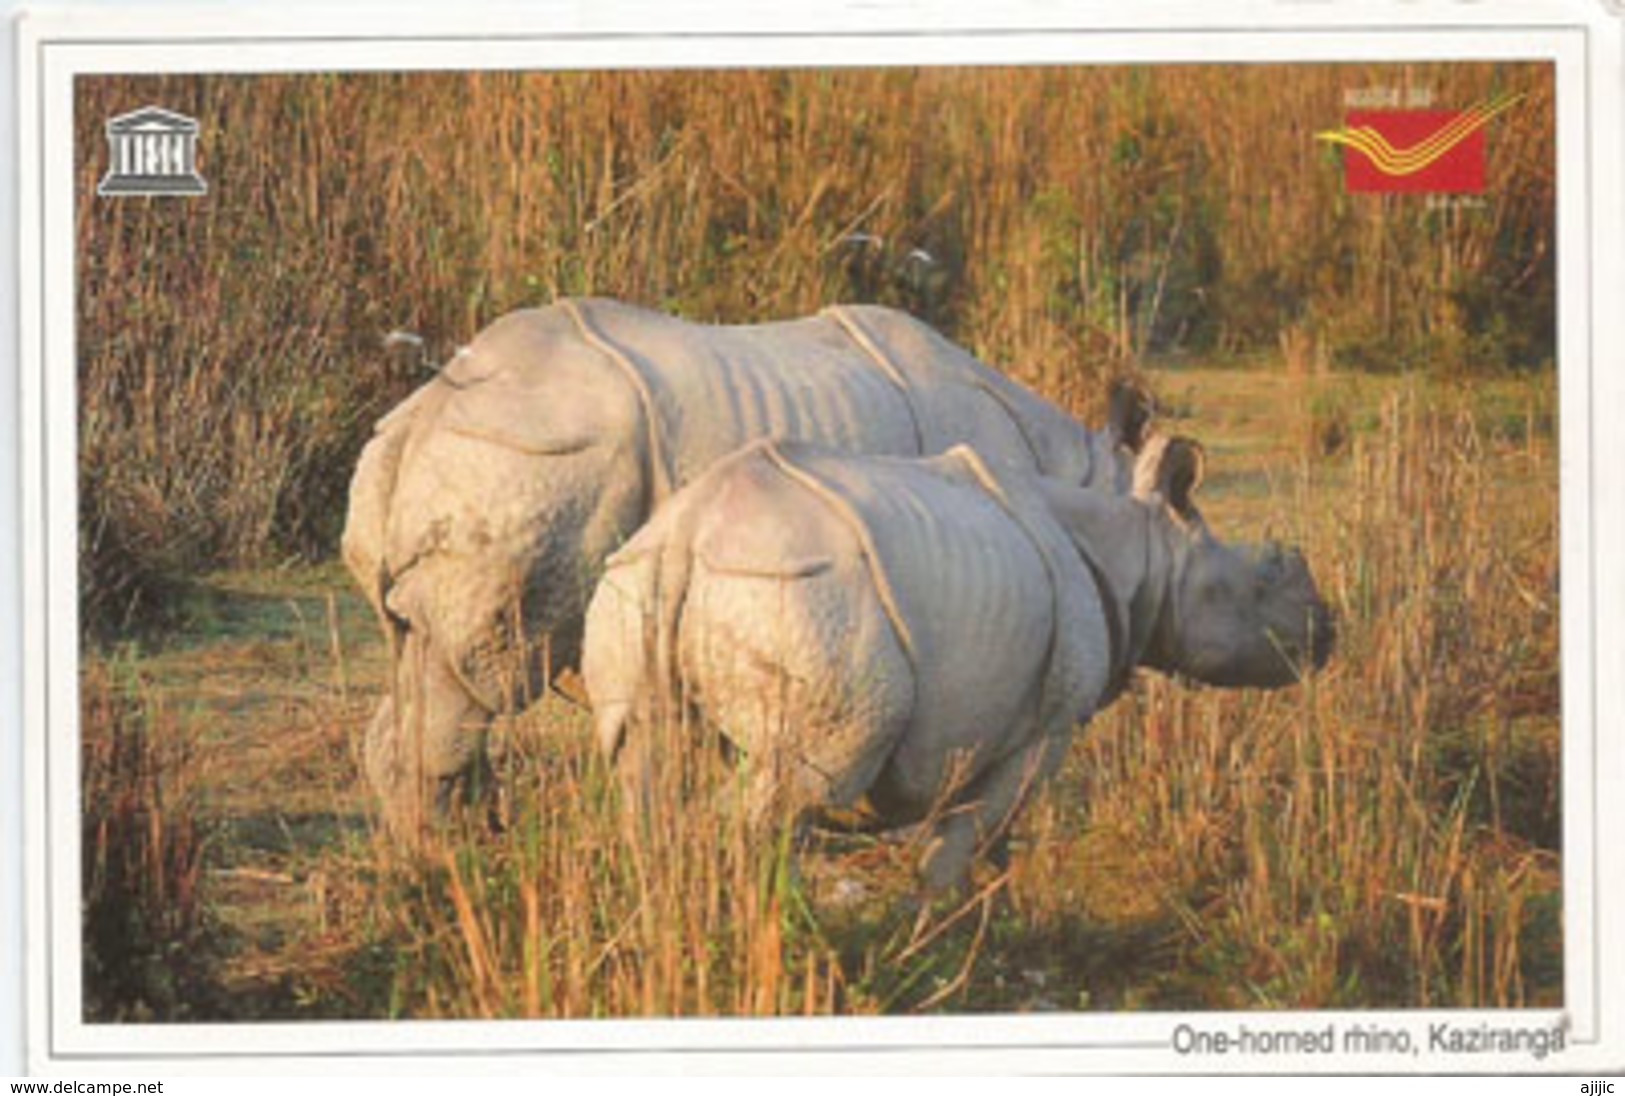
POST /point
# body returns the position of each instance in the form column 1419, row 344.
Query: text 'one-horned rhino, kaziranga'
column 918, row 638
column 482, row 509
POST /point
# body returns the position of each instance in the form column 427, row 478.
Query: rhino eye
column 1267, row 583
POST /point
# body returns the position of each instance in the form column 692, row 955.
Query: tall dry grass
column 145, row 919
column 578, row 906
column 230, row 357
column 1386, row 835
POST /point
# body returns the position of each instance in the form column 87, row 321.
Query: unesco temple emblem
column 152, row 151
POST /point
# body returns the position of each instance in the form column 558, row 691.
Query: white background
column 11, row 766
column 11, row 685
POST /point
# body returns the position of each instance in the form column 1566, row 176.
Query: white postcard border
column 1582, row 41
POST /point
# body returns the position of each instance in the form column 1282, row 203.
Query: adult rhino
column 482, row 509
column 918, row 638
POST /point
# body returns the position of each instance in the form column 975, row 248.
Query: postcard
column 1039, row 539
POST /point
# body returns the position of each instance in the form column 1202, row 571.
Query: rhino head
column 1230, row 615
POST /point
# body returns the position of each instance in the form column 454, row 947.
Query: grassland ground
column 1387, row 835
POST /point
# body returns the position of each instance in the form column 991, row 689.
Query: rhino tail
column 673, row 571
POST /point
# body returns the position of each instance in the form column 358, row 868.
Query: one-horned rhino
column 482, row 509
column 860, row 630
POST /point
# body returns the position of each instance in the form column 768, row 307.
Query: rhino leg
column 425, row 748
column 469, row 642
column 980, row 824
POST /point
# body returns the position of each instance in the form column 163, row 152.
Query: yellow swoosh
column 1414, row 158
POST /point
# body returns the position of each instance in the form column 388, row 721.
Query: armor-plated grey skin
column 861, row 630
column 483, row 508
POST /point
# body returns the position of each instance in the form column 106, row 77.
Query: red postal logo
column 1416, row 151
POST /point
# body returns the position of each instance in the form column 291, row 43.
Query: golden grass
column 1079, row 220
column 1387, row 835
column 145, row 916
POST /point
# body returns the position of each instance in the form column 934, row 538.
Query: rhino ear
column 1171, row 468
column 1128, row 413
column 1183, row 462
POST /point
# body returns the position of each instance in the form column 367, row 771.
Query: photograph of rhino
column 821, row 543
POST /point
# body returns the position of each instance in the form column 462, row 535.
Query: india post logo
column 1416, row 151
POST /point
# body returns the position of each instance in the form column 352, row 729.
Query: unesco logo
column 152, row 151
